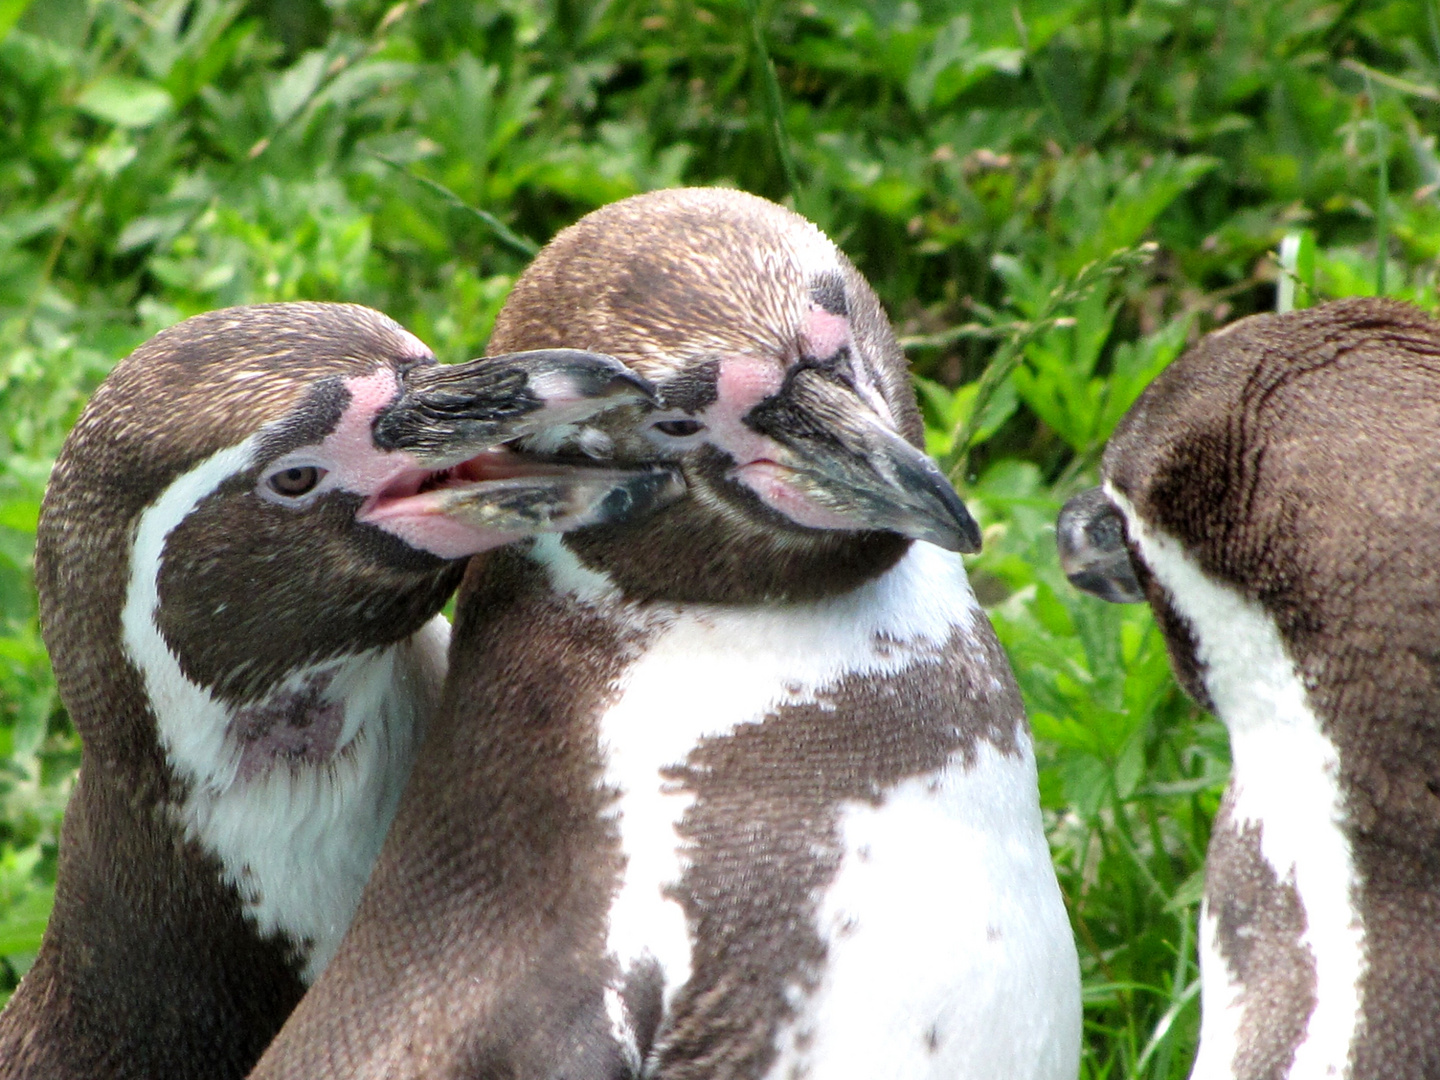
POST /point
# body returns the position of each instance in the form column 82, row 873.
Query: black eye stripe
column 827, row 291
column 693, row 389
column 314, row 417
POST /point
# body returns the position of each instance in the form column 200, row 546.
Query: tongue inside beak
column 500, row 496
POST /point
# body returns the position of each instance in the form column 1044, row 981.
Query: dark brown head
column 786, row 400
column 254, row 490
column 1288, row 458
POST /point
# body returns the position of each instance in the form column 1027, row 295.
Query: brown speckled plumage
column 1295, row 459
column 480, row 948
column 148, row 967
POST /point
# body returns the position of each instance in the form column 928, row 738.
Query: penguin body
column 240, row 580
column 861, row 880
column 745, row 790
column 1272, row 492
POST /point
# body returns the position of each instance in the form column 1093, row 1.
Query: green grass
column 981, row 162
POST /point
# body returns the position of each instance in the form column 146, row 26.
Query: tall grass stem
column 774, row 104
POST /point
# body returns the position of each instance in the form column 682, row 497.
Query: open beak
column 470, row 492
column 848, row 460
column 1090, row 534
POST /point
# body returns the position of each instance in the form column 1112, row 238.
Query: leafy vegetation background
column 162, row 158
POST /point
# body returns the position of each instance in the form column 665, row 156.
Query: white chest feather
column 944, row 918
column 297, row 841
column 948, row 951
column 1285, row 776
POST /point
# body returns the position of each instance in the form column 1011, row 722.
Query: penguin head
column 1286, row 460
column 260, row 485
column 784, row 396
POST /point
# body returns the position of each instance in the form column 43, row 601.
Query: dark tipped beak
column 1091, row 537
column 847, row 459
column 560, row 499
column 447, row 413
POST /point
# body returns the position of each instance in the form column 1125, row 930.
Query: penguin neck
column 212, row 853
column 206, row 893
column 1282, row 918
column 706, row 549
column 292, row 791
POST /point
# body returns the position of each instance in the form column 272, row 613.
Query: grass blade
column 774, row 106
column 1382, row 189
column 1009, row 355
column 523, row 245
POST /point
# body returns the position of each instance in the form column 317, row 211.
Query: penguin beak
column 447, row 413
column 470, row 492
column 1090, row 534
column 847, row 460
column 554, row 497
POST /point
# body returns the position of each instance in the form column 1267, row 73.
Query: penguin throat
column 292, row 792
column 721, row 544
column 1285, row 801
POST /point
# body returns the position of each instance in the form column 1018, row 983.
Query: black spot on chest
column 765, row 840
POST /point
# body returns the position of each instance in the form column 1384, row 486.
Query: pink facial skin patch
column 775, row 484
column 825, row 333
column 742, row 383
column 356, row 463
column 297, row 725
column 391, row 480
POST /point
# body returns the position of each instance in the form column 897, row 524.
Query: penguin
column 241, row 560
column 1270, row 495
column 747, row 789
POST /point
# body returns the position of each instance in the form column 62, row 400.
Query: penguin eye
column 678, row 429
column 296, row 481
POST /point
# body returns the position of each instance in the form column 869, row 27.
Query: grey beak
column 559, row 498
column 449, row 412
column 851, row 461
column 1090, row 534
column 458, row 416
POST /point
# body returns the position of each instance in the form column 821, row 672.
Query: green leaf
column 124, row 101
column 1296, row 286
column 23, row 924
column 1188, row 893
column 10, row 12
column 289, row 93
column 22, row 515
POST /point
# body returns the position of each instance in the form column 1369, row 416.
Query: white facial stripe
column 980, row 977
column 711, row 668
column 297, row 842
column 1285, row 775
column 192, row 723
